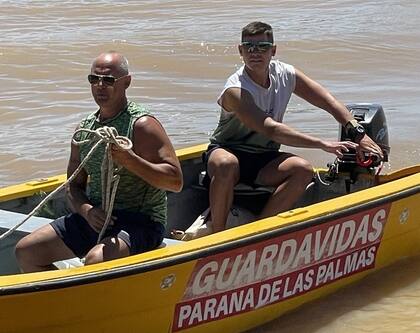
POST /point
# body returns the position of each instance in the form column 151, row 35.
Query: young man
column 245, row 145
column 148, row 170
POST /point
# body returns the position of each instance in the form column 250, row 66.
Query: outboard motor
column 372, row 118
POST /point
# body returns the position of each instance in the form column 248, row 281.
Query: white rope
column 109, row 135
column 108, row 179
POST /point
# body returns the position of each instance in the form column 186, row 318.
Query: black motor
column 372, row 118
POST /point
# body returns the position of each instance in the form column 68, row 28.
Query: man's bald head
column 114, row 61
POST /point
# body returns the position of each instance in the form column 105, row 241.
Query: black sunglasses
column 259, row 47
column 107, row 80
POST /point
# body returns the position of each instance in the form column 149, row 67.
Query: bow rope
column 109, row 173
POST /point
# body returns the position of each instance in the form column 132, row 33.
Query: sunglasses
column 258, row 47
column 107, row 80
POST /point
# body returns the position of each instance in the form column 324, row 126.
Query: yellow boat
column 347, row 225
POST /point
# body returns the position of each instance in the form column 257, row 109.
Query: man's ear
column 240, row 50
column 273, row 50
column 128, row 81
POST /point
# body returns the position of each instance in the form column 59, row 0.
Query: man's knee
column 224, row 168
column 110, row 248
column 23, row 250
column 29, row 255
column 94, row 256
column 303, row 171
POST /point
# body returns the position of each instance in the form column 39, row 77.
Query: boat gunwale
column 175, row 259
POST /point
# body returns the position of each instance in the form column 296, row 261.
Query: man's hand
column 152, row 157
column 120, row 155
column 95, row 216
column 367, row 145
column 338, row 148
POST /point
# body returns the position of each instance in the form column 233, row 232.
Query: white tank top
column 272, row 100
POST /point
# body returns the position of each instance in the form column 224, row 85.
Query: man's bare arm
column 76, row 190
column 317, row 95
column 242, row 104
column 153, row 157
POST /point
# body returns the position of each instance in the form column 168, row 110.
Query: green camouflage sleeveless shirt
column 133, row 194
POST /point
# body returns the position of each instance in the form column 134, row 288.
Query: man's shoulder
column 91, row 117
column 237, row 75
column 280, row 67
column 134, row 107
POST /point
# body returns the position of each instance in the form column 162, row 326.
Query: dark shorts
column 249, row 163
column 135, row 229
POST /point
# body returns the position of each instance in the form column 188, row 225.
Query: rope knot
column 102, row 134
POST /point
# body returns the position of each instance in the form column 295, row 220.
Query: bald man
column 149, row 169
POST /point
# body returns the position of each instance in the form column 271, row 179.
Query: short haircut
column 258, row 28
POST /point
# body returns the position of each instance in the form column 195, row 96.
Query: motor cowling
column 372, row 118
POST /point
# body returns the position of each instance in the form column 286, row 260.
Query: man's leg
column 38, row 250
column 108, row 249
column 131, row 233
column 291, row 174
column 223, row 170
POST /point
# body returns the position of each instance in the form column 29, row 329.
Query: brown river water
column 180, row 54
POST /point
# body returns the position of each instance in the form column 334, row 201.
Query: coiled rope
column 109, row 174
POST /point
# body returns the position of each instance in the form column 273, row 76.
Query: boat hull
column 231, row 281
